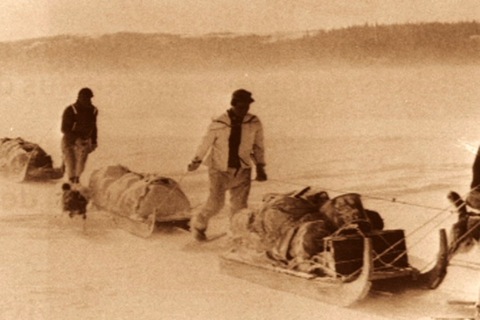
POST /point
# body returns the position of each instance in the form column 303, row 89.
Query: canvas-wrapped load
column 291, row 227
column 282, row 212
column 101, row 180
column 121, row 191
column 304, row 241
column 343, row 210
column 24, row 160
column 284, row 226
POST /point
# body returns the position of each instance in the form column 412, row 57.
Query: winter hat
column 241, row 95
column 85, row 92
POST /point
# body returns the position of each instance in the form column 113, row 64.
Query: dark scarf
column 234, row 140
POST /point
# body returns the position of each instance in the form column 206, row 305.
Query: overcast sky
column 35, row 18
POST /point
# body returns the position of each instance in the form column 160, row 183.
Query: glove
column 194, row 164
column 261, row 175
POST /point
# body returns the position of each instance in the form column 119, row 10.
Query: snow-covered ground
column 54, row 267
column 399, row 137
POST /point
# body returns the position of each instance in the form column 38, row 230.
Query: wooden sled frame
column 145, row 227
column 432, row 278
column 141, row 228
column 332, row 290
column 326, row 289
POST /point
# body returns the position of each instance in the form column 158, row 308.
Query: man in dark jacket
column 79, row 128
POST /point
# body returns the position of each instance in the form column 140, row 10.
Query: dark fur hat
column 241, row 95
column 85, row 92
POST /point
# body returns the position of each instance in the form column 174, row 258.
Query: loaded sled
column 345, row 273
column 138, row 202
column 349, row 261
column 22, row 160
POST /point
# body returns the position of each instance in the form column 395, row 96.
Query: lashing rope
column 379, row 256
column 393, row 199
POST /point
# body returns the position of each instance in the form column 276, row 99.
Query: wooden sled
column 345, row 280
column 139, row 202
column 327, row 289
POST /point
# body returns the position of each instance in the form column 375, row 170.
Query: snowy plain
column 400, row 136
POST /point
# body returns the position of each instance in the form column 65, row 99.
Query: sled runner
column 340, row 290
column 141, row 228
column 184, row 226
column 344, row 272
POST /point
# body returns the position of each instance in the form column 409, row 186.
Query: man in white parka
column 233, row 141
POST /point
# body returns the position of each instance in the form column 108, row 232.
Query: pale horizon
column 26, row 20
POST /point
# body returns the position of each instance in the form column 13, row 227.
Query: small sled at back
column 22, row 160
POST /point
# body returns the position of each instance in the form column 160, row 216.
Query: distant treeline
column 448, row 42
column 367, row 44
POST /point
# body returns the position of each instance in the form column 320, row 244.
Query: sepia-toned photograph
column 240, row 160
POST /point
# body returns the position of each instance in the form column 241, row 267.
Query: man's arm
column 206, row 142
column 67, row 121
column 258, row 154
column 205, row 145
column 258, row 149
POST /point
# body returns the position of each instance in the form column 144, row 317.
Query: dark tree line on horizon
column 397, row 42
column 435, row 42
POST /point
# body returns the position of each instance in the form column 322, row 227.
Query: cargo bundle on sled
column 139, row 201
column 327, row 249
column 22, row 160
